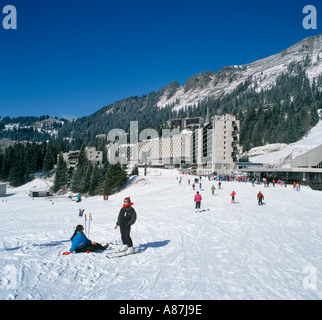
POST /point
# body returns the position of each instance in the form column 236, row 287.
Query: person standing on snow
column 233, row 194
column 213, row 188
column 260, row 198
column 197, row 200
column 126, row 218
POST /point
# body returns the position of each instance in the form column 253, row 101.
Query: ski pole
column 89, row 222
column 85, row 221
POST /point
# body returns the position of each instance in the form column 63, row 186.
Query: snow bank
column 280, row 155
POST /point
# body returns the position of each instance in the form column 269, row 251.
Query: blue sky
column 71, row 58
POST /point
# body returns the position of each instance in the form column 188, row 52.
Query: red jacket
column 198, row 197
column 260, row 195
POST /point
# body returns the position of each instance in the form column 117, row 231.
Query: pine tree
column 31, row 155
column 135, row 171
column 17, row 170
column 49, row 159
column 8, row 159
column 1, row 160
column 79, row 178
column 61, row 174
column 115, row 177
column 314, row 116
column 95, row 181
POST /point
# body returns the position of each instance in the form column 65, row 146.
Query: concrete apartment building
column 206, row 146
column 93, row 156
column 219, row 141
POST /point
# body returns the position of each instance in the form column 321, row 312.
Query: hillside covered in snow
column 263, row 72
column 280, row 155
column 227, row 251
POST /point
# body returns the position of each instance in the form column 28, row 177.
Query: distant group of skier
column 260, row 196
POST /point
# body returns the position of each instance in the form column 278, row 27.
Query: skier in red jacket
column 233, row 197
column 198, row 199
column 260, row 198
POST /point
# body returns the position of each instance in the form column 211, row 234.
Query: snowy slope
column 280, row 155
column 264, row 72
column 227, row 251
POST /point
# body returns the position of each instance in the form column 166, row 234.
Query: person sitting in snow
column 80, row 243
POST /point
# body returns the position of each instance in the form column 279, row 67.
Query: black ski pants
column 91, row 248
column 125, row 229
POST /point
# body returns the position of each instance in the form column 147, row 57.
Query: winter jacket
column 127, row 215
column 260, row 195
column 79, row 241
column 198, row 197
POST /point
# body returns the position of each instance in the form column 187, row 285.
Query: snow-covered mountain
column 263, row 74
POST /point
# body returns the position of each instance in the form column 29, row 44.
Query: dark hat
column 79, row 228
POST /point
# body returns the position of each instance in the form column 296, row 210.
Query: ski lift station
column 3, row 189
column 39, row 193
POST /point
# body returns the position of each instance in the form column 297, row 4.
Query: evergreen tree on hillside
column 314, row 117
column 95, row 182
column 8, row 158
column 17, row 171
column 135, row 171
column 31, row 157
column 80, row 179
column 61, row 174
column 49, row 159
column 115, row 177
column 1, row 161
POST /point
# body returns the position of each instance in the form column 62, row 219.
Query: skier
column 197, row 200
column 80, row 243
column 213, row 188
column 233, row 194
column 79, row 198
column 126, row 219
column 193, row 186
column 219, row 184
column 260, row 198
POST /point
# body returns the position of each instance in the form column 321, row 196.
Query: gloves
column 66, row 253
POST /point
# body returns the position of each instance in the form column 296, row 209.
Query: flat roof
column 313, row 170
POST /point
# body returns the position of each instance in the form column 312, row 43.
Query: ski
column 120, row 254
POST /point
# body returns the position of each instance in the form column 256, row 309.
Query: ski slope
column 228, row 251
